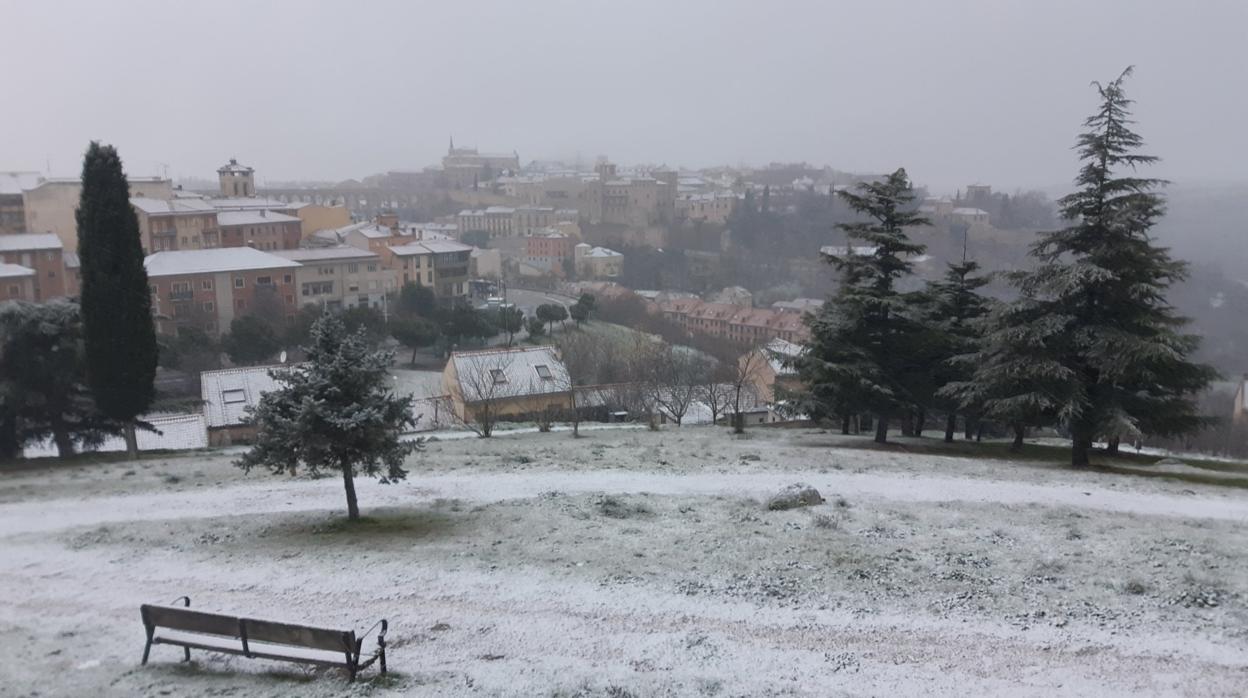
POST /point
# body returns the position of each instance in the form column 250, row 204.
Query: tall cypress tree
column 865, row 339
column 116, row 303
column 1098, row 297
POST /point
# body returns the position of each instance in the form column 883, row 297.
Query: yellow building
column 318, row 217
column 51, row 206
column 440, row 265
column 507, row 383
column 340, row 277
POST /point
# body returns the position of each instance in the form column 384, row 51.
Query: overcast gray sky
column 957, row 92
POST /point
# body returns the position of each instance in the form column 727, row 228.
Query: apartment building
column 440, row 265
column 744, row 326
column 12, row 208
column 176, row 224
column 340, row 277
column 209, row 288
column 52, row 204
column 17, row 283
column 262, row 229
column 548, row 249
column 43, row 254
column 706, row 208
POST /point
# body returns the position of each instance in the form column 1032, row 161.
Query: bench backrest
column 299, row 635
column 190, row 621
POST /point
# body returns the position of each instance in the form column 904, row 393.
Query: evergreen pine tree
column 1097, row 301
column 956, row 309
column 864, row 340
column 116, row 302
column 335, row 411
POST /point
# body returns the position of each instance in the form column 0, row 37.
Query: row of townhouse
column 170, row 218
column 508, row 221
column 36, row 267
column 746, row 326
column 209, row 288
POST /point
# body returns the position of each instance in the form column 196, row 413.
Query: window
column 264, row 281
column 372, row 267
column 14, row 290
column 543, row 372
column 206, row 285
column 498, row 376
column 234, row 396
column 353, row 268
column 209, row 306
column 239, row 282
column 240, row 304
column 353, row 288
column 288, row 279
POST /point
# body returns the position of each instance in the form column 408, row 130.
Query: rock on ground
column 794, row 496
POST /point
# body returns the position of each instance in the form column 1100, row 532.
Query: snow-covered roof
column 509, row 373
column 842, row 250
column 326, row 254
column 71, row 260
column 14, row 271
column 598, row 251
column 222, row 259
column 17, row 182
column 178, row 432
column 260, row 217
column 171, row 207
column 429, row 247
column 247, row 203
column 232, row 167
column 777, row 351
column 21, row 242
column 228, row 393
column 367, row 228
column 799, row 304
column 965, row 211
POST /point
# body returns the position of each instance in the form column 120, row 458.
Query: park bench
column 262, row 639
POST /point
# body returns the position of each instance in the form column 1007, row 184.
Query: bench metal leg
column 382, row 659
column 187, row 654
column 147, row 649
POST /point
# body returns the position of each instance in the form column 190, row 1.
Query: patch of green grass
column 1054, row 456
column 375, row 525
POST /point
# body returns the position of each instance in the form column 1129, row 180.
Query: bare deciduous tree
column 675, row 379
column 483, row 384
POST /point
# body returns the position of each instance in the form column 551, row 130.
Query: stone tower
column 237, row 180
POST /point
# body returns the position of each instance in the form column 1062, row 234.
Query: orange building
column 41, row 253
column 17, row 283
column 263, row 230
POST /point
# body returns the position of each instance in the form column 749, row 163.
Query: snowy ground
column 633, row 563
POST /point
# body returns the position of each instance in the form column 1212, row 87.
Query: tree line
column 1091, row 345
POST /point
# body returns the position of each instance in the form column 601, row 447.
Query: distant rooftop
column 429, row 247
column 224, row 259
column 16, row 182
column 171, row 207
column 247, row 203
column 260, row 217
column 13, row 271
column 232, row 167
column 29, row 241
column 326, row 254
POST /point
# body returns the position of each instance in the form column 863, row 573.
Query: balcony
column 181, row 295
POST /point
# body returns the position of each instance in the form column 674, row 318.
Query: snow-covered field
column 634, row 563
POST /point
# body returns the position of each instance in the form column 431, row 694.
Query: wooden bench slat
column 191, row 621
column 299, row 635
